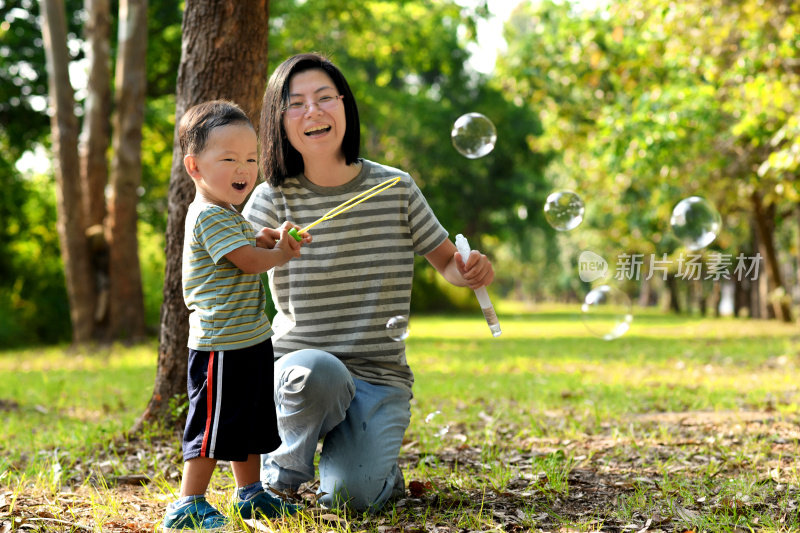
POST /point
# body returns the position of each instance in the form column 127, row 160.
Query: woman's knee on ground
column 353, row 493
column 308, row 375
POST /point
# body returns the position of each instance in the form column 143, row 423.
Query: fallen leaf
column 330, row 517
column 418, row 488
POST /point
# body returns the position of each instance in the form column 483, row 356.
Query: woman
column 339, row 376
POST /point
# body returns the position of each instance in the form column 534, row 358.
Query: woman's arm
column 477, row 273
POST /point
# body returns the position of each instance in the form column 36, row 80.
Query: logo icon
column 591, row 266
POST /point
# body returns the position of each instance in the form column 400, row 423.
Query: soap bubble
column 695, row 222
column 435, row 418
column 473, row 135
column 432, row 416
column 563, row 210
column 607, row 312
column 397, row 328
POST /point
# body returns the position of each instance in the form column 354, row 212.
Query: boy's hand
column 287, row 244
column 477, row 271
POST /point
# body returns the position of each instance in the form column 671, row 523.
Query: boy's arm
column 478, row 271
column 255, row 260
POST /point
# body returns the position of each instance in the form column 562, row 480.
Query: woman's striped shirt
column 355, row 275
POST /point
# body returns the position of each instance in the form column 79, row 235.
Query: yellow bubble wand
column 349, row 204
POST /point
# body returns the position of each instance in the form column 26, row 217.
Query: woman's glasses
column 298, row 109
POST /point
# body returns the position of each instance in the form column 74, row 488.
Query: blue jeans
column 362, row 425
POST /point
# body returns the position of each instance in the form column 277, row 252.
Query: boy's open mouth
column 239, row 185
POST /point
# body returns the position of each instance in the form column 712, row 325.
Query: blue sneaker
column 263, row 504
column 197, row 515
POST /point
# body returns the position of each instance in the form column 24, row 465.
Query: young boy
column 230, row 378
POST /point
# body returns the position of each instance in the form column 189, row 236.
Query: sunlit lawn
column 546, row 361
column 545, row 385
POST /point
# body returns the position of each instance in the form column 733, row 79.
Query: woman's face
column 314, row 119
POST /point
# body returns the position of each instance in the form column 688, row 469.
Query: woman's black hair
column 279, row 159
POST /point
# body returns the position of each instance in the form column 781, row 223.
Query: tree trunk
column 645, row 290
column 97, row 111
column 700, row 297
column 716, row 297
column 742, row 297
column 764, row 220
column 674, row 296
column 126, row 297
column 224, row 55
column 64, row 126
column 93, row 146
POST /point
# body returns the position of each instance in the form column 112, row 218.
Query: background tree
column 650, row 103
column 71, row 225
column 636, row 107
column 224, row 55
column 125, row 291
column 33, row 295
column 97, row 259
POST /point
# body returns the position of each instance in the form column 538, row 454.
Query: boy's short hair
column 199, row 120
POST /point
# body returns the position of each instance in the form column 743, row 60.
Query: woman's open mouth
column 317, row 130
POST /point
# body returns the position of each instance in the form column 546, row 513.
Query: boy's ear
column 190, row 163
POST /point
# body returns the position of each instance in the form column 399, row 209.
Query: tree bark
column 741, row 297
column 224, row 55
column 93, row 146
column 64, row 126
column 97, row 111
column 126, row 297
column 764, row 222
column 674, row 296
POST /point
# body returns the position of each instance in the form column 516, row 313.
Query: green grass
column 684, row 422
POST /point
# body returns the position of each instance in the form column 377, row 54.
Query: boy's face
column 226, row 171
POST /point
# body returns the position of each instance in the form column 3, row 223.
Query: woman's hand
column 268, row 237
column 477, row 271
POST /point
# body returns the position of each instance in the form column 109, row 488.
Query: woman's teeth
column 317, row 130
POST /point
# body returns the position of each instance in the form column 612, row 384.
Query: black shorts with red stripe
column 231, row 406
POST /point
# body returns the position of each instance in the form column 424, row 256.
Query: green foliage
column 157, row 137
column 23, row 76
column 33, row 302
column 634, row 108
column 648, row 102
column 152, row 263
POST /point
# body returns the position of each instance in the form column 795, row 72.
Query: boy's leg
column 191, row 510
column 358, row 466
column 313, row 389
column 246, row 472
column 197, row 474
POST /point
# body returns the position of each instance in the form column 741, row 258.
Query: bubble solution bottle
column 483, row 296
